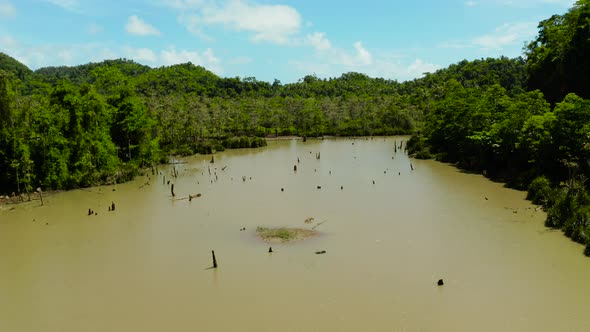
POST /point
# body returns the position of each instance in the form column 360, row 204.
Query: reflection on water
column 144, row 266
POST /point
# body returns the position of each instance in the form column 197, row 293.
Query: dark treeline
column 525, row 121
column 536, row 138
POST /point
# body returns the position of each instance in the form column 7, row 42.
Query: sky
column 273, row 39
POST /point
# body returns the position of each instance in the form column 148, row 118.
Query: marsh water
column 145, row 266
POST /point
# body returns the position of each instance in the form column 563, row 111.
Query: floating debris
column 283, row 234
column 318, row 224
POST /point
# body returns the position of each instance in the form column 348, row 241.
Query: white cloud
column 194, row 25
column 383, row 66
column 268, row 23
column 319, row 41
column 362, row 55
column 37, row 56
column 101, row 53
column 325, row 51
column 136, row 26
column 503, row 39
column 71, row 5
column 44, row 55
column 507, row 34
column 7, row 9
column 419, row 67
column 400, row 69
column 140, row 54
column 274, row 23
column 330, row 61
column 206, row 59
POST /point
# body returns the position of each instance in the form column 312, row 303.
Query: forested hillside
column 66, row 127
column 538, row 139
column 522, row 120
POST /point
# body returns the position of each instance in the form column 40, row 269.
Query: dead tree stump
column 40, row 195
column 214, row 260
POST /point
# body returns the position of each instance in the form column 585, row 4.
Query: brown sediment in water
column 291, row 137
column 284, row 234
column 397, row 239
column 283, row 138
column 25, row 197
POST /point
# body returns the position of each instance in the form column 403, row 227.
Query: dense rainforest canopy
column 66, row 127
column 525, row 120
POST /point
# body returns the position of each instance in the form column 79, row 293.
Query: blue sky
column 272, row 39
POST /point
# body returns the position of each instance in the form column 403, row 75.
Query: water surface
column 144, row 266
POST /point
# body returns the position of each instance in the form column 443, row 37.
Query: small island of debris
column 284, row 234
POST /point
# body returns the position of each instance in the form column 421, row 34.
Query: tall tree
column 558, row 58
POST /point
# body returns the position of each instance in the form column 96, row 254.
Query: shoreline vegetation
column 535, row 137
column 524, row 121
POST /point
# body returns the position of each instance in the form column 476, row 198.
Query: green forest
column 525, row 121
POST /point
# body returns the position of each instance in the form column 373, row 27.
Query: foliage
column 68, row 127
column 12, row 66
column 570, row 210
column 275, row 233
column 83, row 73
column 558, row 57
column 418, row 147
column 537, row 139
column 540, row 190
column 243, row 142
column 283, row 234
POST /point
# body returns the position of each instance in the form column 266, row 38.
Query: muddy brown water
column 144, row 266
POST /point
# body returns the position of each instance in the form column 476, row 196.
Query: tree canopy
column 557, row 58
